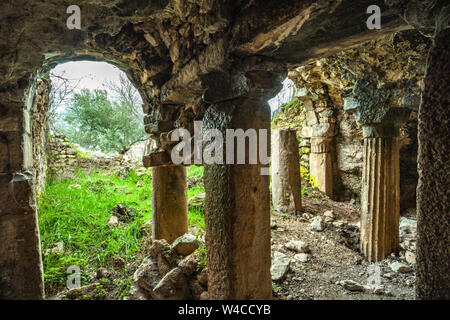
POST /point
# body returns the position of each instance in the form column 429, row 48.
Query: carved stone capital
column 251, row 77
column 320, row 145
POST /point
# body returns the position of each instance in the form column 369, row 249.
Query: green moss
column 286, row 112
column 81, row 154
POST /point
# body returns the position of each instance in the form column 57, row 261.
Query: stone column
column 433, row 201
column 286, row 181
column 20, row 253
column 237, row 209
column 321, row 164
column 169, row 203
column 380, row 196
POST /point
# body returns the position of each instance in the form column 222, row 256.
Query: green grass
column 196, row 214
column 75, row 212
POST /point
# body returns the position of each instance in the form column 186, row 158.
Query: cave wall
column 395, row 66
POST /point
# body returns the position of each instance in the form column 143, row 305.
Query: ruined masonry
column 219, row 62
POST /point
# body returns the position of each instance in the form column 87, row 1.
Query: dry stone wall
column 65, row 158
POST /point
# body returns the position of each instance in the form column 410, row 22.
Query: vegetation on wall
column 286, row 111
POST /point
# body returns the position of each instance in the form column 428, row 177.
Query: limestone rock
column 163, row 253
column 147, row 276
column 112, row 222
column 410, row 257
column 190, row 263
column 186, row 244
column 57, row 249
column 202, row 277
column 298, row 246
column 146, row 228
column 137, row 293
column 301, row 257
column 79, row 293
column 400, row 267
column 317, row 224
column 350, row 285
column 408, row 226
column 338, row 224
column 280, row 265
column 173, row 286
column 329, row 216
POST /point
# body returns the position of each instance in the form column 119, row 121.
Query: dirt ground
column 333, row 256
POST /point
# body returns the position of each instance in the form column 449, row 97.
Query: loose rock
column 173, row 286
column 350, row 285
column 280, row 265
column 410, row 257
column 186, row 244
column 112, row 222
column 400, row 267
column 189, row 264
column 317, row 224
column 298, row 246
column 302, row 257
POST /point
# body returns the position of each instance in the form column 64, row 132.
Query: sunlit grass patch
column 75, row 211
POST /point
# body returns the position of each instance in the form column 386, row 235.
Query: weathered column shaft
column 169, row 203
column 433, row 201
column 20, row 253
column 320, row 164
column 380, row 202
column 237, row 210
column 286, row 181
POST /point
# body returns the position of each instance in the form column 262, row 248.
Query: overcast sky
column 95, row 74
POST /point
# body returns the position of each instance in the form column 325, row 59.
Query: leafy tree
column 95, row 122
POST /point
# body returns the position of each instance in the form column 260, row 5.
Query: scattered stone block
column 317, row 224
column 112, row 222
column 280, row 265
column 147, row 276
column 400, row 267
column 410, row 257
column 350, row 285
column 190, row 263
column 173, row 286
column 302, row 257
column 186, row 244
column 298, row 246
column 329, row 216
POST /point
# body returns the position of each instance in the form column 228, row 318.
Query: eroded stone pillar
column 237, row 209
column 20, row 253
column 286, row 181
column 433, row 201
column 380, row 196
column 321, row 164
column 169, row 203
